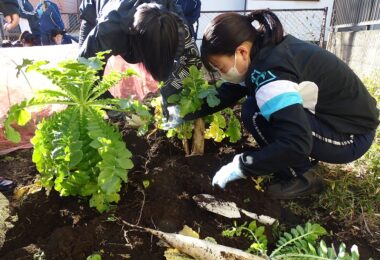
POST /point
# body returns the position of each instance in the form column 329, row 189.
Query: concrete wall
column 214, row 5
column 360, row 50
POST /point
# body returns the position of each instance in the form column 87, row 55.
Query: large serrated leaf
column 75, row 158
column 109, row 182
column 187, row 106
column 89, row 188
column 212, row 100
column 173, row 99
column 125, row 163
column 11, row 134
column 98, row 201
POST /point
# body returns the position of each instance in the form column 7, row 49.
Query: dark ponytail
column 270, row 28
column 229, row 30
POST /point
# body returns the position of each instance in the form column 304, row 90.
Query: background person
column 27, row 39
column 50, row 18
column 192, row 11
column 59, row 37
column 27, row 12
column 11, row 12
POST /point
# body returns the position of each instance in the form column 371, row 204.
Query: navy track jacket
column 339, row 99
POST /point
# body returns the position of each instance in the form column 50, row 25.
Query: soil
column 54, row 227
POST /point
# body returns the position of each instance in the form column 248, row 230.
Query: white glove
column 228, row 172
column 174, row 118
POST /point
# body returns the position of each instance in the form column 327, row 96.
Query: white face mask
column 233, row 75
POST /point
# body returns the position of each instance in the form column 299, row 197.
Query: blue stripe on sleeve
column 279, row 102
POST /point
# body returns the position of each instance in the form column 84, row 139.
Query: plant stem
column 289, row 242
column 198, row 145
column 304, row 256
column 256, row 239
column 185, row 144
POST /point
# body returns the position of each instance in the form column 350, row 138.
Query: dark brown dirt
column 66, row 228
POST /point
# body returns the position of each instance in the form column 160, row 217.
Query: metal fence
column 351, row 12
column 305, row 24
column 72, row 23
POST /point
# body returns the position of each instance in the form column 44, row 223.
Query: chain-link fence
column 305, row 24
column 72, row 23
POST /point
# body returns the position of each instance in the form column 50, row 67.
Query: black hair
column 158, row 39
column 229, row 30
column 26, row 37
column 55, row 32
column 23, row 35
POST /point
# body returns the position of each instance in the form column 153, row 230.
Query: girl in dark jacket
column 152, row 32
column 303, row 104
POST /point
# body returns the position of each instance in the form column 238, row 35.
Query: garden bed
column 158, row 195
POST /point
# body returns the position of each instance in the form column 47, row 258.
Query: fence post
column 1, row 29
column 323, row 28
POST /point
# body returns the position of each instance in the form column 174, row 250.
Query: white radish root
column 197, row 248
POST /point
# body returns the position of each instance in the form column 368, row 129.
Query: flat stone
column 5, row 219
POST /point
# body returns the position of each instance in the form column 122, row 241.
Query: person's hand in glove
column 173, row 120
column 229, row 172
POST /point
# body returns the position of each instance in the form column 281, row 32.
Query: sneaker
column 297, row 187
column 6, row 185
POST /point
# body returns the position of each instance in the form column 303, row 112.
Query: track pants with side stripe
column 328, row 145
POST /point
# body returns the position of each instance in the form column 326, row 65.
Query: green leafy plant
column 302, row 243
column 76, row 151
column 255, row 234
column 372, row 159
column 299, row 243
column 94, row 257
column 223, row 124
column 195, row 94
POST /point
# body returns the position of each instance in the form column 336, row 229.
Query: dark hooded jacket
column 27, row 12
column 110, row 30
column 338, row 99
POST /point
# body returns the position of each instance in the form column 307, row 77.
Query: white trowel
column 228, row 209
